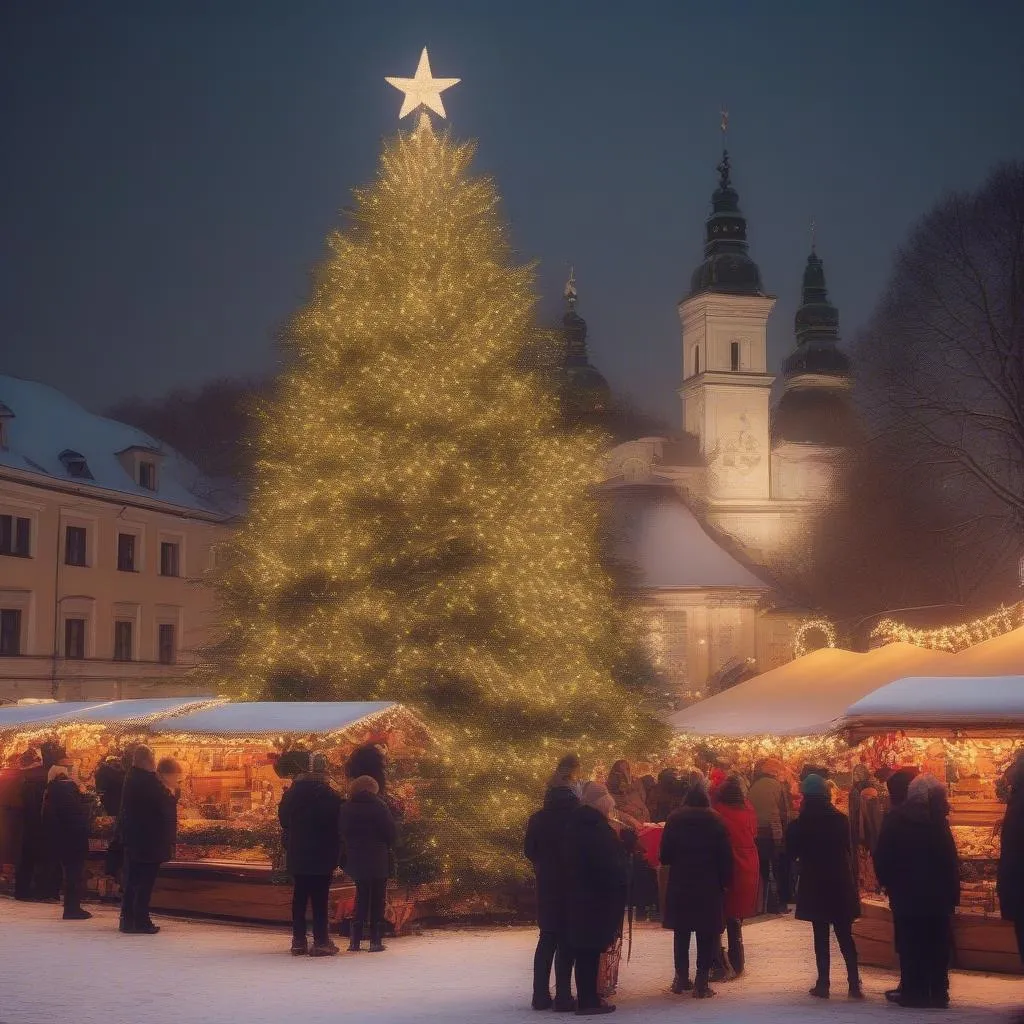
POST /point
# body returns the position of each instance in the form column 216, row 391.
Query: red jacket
column 741, row 898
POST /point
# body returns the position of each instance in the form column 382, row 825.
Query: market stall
column 965, row 730
column 229, row 857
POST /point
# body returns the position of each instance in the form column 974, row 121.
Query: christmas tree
column 422, row 528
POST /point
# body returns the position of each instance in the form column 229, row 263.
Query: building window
column 15, row 536
column 10, row 631
column 696, row 360
column 122, row 641
column 147, row 475
column 74, row 638
column 169, row 558
column 126, row 552
column 75, row 464
column 74, row 545
column 734, row 355
column 167, row 650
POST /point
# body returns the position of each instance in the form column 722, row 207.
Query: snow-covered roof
column 46, row 423
column 269, row 718
column 805, row 697
column 951, row 702
column 108, row 712
column 1002, row 655
column 656, row 534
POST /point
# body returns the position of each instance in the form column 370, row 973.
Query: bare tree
column 941, row 373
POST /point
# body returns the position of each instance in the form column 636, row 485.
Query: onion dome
column 586, row 390
column 727, row 266
column 815, row 406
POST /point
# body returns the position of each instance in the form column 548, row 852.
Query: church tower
column 814, row 421
column 726, row 385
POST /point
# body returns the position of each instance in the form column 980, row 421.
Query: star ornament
column 423, row 90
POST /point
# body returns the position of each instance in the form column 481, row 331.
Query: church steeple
column 727, row 266
column 586, row 391
column 816, row 327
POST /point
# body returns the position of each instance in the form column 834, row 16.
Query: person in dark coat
column 665, row 797
column 309, row 813
column 827, row 894
column 109, row 779
column 66, row 820
column 917, row 864
column 769, row 796
column 597, row 863
column 148, row 828
column 1010, row 877
column 544, row 847
column 696, row 850
column 368, row 836
column 31, row 873
column 897, row 784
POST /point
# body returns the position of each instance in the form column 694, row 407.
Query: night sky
column 171, row 168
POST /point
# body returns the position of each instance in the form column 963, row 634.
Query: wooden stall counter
column 981, row 942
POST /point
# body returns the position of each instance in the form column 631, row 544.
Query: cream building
column 744, row 476
column 105, row 539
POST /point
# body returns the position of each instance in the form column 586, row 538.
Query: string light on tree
column 422, row 529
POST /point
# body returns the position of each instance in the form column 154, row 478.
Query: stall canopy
column 273, row 718
column 963, row 703
column 108, row 712
column 1002, row 655
column 806, row 697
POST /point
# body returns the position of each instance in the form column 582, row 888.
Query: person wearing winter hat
column 368, row 836
column 819, row 839
column 917, row 864
column 544, row 847
column 308, row 814
column 597, row 867
column 695, row 848
column 66, row 821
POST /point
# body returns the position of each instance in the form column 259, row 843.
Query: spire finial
column 814, row 248
column 725, row 126
column 570, row 288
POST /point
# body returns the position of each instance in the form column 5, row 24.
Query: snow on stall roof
column 1002, row 655
column 46, row 423
column 258, row 718
column 16, row 716
column 145, row 709
column 658, row 535
column 942, row 701
column 806, row 697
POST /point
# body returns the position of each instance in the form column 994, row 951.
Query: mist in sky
column 171, row 169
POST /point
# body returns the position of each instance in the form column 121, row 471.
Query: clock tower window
column 734, row 355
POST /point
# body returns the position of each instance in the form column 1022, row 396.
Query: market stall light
column 953, row 638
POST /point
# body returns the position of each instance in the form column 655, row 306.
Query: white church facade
column 705, row 514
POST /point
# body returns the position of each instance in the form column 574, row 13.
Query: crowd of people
column 48, row 815
column 730, row 848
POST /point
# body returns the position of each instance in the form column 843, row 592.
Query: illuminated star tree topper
column 423, row 90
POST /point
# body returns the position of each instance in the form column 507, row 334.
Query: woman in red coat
column 741, row 898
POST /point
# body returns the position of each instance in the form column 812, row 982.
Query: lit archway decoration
column 822, row 626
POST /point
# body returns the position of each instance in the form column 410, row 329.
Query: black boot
column 737, row 957
column 356, row 938
column 701, row 988
column 376, row 943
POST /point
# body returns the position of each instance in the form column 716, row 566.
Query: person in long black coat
column 1010, row 877
column 368, row 836
column 148, row 827
column 696, row 850
column 827, row 894
column 66, row 820
column 308, row 813
column 597, row 863
column 917, row 864
column 544, row 847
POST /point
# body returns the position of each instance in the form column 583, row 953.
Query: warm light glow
column 422, row 528
column 800, row 636
column 423, row 90
column 953, row 638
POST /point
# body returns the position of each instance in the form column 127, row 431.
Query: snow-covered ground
column 56, row 972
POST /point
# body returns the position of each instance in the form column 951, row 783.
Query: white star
column 423, row 90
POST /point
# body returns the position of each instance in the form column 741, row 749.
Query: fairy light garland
column 822, row 626
column 953, row 638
